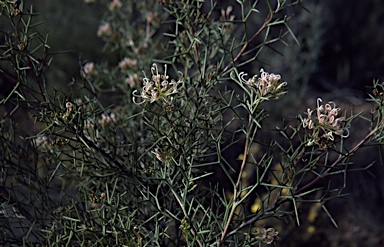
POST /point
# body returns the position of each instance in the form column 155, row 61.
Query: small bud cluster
column 97, row 199
column 41, row 141
column 226, row 14
column 59, row 142
column 133, row 80
column 89, row 125
column 11, row 6
column 327, row 122
column 138, row 239
column 88, row 70
column 114, row 5
column 153, row 18
column 185, row 227
column 165, row 155
column 268, row 236
column 159, row 87
column 106, row 120
column 265, row 84
column 68, row 114
column 227, row 18
column 105, row 30
column 127, row 64
column 69, row 105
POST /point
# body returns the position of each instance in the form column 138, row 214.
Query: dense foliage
column 169, row 145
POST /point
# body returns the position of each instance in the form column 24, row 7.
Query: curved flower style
column 266, row 84
column 159, row 87
column 327, row 122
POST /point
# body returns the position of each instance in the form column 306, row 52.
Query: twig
column 235, row 191
column 245, row 46
column 366, row 138
column 254, row 219
column 185, row 214
column 279, row 203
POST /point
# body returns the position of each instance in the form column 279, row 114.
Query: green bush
column 169, row 146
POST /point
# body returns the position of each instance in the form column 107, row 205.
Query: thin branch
column 185, row 214
column 237, row 187
column 281, row 202
column 245, row 46
column 349, row 153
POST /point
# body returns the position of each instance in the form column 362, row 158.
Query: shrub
column 168, row 146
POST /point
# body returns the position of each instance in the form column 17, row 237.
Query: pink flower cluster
column 325, row 123
column 266, row 84
column 158, row 87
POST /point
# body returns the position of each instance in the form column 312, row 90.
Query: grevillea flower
column 158, row 87
column 266, row 84
column 325, row 121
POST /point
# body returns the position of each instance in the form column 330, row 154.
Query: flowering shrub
column 171, row 159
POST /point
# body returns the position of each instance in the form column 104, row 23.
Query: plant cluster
column 175, row 158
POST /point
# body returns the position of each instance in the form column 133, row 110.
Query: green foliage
column 163, row 148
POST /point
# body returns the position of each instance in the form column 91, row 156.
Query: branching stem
column 237, row 185
column 349, row 153
column 281, row 202
column 245, row 46
column 185, row 214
